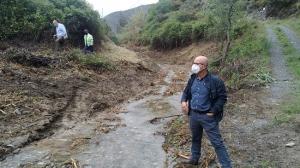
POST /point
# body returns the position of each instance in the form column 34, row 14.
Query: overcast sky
column 110, row 6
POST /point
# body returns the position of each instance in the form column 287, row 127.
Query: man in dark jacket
column 203, row 100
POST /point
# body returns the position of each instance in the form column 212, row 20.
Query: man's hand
column 185, row 107
column 57, row 39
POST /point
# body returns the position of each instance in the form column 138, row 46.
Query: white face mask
column 196, row 68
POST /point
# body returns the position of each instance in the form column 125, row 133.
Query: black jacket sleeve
column 184, row 97
column 221, row 97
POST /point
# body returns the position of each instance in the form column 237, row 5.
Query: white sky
column 110, row 6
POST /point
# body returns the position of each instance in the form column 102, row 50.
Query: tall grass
column 93, row 60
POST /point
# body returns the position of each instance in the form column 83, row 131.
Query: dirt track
column 37, row 102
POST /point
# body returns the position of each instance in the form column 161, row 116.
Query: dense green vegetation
column 248, row 59
column 32, row 19
column 176, row 23
column 173, row 24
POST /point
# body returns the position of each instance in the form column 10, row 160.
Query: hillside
column 117, row 20
column 120, row 106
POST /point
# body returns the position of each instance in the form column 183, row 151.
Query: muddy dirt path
column 136, row 143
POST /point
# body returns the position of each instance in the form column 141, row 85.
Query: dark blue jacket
column 217, row 94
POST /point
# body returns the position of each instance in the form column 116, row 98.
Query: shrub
column 94, row 60
column 32, row 19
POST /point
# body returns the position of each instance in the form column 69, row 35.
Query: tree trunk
column 229, row 26
column 227, row 46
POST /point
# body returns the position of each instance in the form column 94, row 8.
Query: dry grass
column 117, row 53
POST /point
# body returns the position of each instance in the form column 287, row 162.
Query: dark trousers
column 59, row 46
column 88, row 49
column 200, row 121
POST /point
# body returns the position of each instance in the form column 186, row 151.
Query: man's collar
column 207, row 74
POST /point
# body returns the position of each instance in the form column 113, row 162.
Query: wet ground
column 136, row 142
column 49, row 112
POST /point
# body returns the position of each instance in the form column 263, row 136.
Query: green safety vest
column 88, row 40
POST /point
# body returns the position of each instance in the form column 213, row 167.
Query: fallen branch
column 74, row 163
column 178, row 154
column 164, row 117
column 3, row 112
column 7, row 105
column 183, row 156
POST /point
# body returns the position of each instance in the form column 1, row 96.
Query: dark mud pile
column 38, row 90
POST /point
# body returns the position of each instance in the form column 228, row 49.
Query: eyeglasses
column 197, row 63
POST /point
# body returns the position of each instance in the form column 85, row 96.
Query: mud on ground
column 35, row 99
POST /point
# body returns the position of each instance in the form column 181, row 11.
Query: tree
column 225, row 14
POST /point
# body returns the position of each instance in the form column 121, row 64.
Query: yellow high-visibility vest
column 88, row 40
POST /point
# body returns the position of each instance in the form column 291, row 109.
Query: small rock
column 26, row 112
column 242, row 105
column 41, row 163
column 10, row 145
column 290, row 144
column 16, row 151
column 18, row 111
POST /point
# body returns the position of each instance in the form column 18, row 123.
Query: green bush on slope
column 32, row 19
